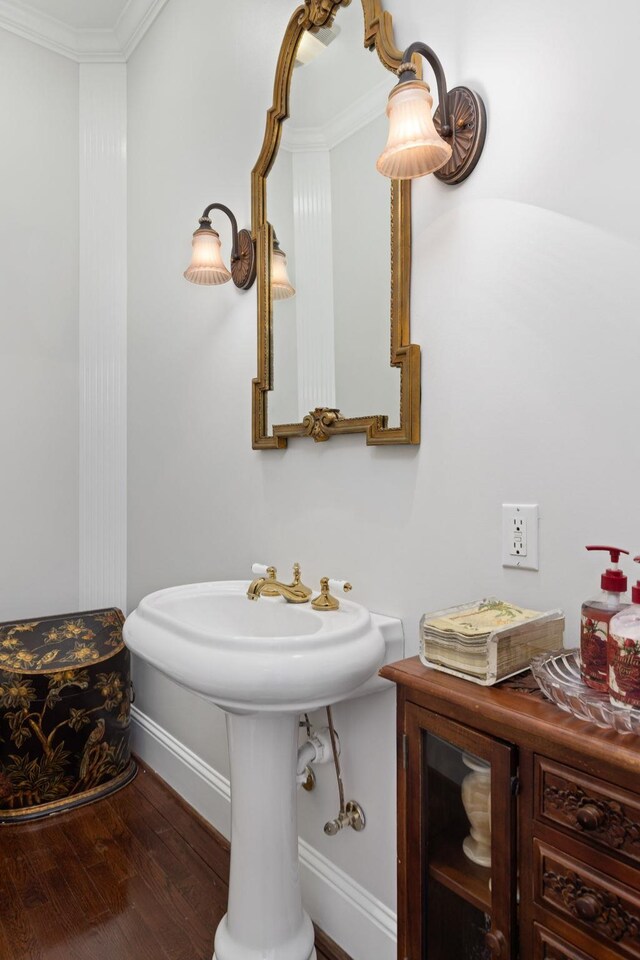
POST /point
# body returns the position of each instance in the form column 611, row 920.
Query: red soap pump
column 596, row 615
column 623, row 653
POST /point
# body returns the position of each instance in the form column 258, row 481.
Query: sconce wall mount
column 243, row 266
column 468, row 125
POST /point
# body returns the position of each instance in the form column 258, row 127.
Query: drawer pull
column 590, row 817
column 613, row 917
column 588, row 908
column 607, row 820
column 496, row 944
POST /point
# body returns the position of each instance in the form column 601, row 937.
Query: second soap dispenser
column 596, row 616
column 624, row 653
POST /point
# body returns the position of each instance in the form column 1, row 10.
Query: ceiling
column 79, row 14
column 99, row 31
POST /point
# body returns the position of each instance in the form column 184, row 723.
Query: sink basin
column 264, row 663
column 266, row 655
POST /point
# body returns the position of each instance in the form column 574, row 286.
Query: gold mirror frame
column 323, row 423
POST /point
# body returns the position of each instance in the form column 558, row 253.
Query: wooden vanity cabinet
column 564, row 879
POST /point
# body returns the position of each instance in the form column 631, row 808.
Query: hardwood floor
column 137, row 876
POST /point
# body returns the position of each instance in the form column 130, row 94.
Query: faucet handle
column 325, row 600
column 338, row 585
column 297, row 582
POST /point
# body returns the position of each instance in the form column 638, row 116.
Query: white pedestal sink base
column 265, row 919
column 264, row 663
column 312, row 956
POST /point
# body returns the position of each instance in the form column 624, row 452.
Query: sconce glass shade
column 414, row 147
column 206, row 265
column 281, row 287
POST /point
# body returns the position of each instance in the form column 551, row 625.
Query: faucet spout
column 292, row 592
column 255, row 588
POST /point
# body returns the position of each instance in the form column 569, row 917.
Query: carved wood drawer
column 601, row 813
column 591, row 900
column 548, row 946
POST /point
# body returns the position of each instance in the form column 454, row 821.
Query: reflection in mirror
column 330, row 210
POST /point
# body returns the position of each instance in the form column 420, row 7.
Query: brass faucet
column 295, row 592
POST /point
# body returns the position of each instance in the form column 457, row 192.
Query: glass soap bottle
column 596, row 616
column 623, row 653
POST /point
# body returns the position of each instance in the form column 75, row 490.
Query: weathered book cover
column 488, row 640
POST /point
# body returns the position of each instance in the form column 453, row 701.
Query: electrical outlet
column 518, row 546
column 520, row 535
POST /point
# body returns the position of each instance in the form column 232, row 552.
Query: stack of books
column 488, row 640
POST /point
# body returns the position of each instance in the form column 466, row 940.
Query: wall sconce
column 449, row 144
column 281, row 286
column 206, row 265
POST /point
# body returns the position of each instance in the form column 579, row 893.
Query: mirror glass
column 330, row 210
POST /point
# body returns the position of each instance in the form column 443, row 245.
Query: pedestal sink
column 264, row 663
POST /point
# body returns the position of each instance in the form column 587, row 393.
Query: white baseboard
column 362, row 925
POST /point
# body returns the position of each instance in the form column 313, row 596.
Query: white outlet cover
column 516, row 514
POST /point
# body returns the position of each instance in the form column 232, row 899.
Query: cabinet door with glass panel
column 457, row 846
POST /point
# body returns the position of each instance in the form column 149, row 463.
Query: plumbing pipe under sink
column 317, row 749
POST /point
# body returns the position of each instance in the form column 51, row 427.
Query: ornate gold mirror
column 333, row 248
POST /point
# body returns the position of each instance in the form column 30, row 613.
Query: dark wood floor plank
column 18, row 938
column 137, row 876
column 84, row 828
column 27, row 883
column 87, row 896
column 207, row 842
column 178, row 926
column 145, row 848
column 95, row 837
column 62, row 928
column 160, row 856
column 114, row 839
column 327, row 948
column 114, row 890
column 43, row 856
column 178, row 880
column 172, row 889
column 137, row 938
column 74, row 936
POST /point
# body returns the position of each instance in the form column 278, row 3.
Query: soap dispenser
column 596, row 616
column 623, row 653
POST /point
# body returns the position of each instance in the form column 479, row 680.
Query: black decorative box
column 65, row 696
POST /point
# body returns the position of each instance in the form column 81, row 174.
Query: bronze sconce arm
column 407, row 72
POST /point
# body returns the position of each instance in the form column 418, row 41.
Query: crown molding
column 303, row 140
column 108, row 45
column 358, row 114
column 134, row 21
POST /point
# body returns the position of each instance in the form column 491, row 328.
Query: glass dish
column 558, row 676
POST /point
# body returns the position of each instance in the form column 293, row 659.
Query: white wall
column 525, row 303
column 38, row 330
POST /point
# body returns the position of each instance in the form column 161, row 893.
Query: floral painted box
column 65, row 696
